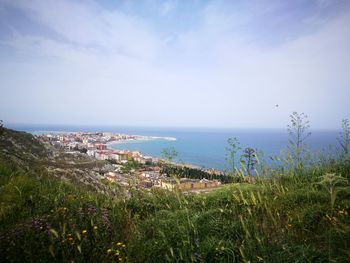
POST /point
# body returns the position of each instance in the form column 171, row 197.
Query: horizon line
column 58, row 125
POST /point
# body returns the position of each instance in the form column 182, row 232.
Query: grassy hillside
column 24, row 152
column 280, row 218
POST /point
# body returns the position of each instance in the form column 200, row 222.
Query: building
column 186, row 184
column 123, row 156
column 101, row 146
column 91, row 151
column 139, row 160
column 115, row 156
column 101, row 155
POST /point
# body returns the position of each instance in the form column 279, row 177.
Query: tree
column 169, row 154
column 249, row 159
column 298, row 132
column 83, row 150
column 130, row 165
column 231, row 151
column 344, row 139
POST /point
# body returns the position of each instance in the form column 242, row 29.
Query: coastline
column 180, row 164
column 208, row 149
column 152, row 138
column 131, row 139
column 141, row 138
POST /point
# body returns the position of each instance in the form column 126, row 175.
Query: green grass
column 44, row 219
column 286, row 216
column 278, row 219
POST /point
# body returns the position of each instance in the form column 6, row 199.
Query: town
column 131, row 169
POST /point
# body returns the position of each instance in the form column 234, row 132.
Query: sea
column 204, row 148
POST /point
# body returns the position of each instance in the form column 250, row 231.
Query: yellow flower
column 119, row 243
column 95, row 227
column 109, row 251
column 123, row 245
column 84, row 231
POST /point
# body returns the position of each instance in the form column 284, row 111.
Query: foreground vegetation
column 280, row 219
column 287, row 214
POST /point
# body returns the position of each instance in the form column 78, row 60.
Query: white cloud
column 87, row 24
column 112, row 68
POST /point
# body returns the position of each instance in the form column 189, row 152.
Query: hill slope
column 22, row 150
column 282, row 218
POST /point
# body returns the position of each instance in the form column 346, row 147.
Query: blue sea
column 204, row 147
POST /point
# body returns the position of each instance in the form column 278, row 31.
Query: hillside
column 54, row 209
column 23, row 151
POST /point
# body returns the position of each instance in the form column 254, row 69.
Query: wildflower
column 84, row 231
column 342, row 212
column 109, row 251
column 123, row 246
column 95, row 227
column 91, row 209
column 105, row 217
column 119, row 244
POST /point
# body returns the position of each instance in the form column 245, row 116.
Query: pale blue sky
column 174, row 63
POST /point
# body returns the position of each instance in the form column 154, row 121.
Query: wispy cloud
column 89, row 25
column 117, row 67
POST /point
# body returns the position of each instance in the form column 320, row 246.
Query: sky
column 172, row 63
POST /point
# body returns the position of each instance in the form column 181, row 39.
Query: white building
column 91, row 152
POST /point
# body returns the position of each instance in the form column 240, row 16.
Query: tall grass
column 283, row 217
